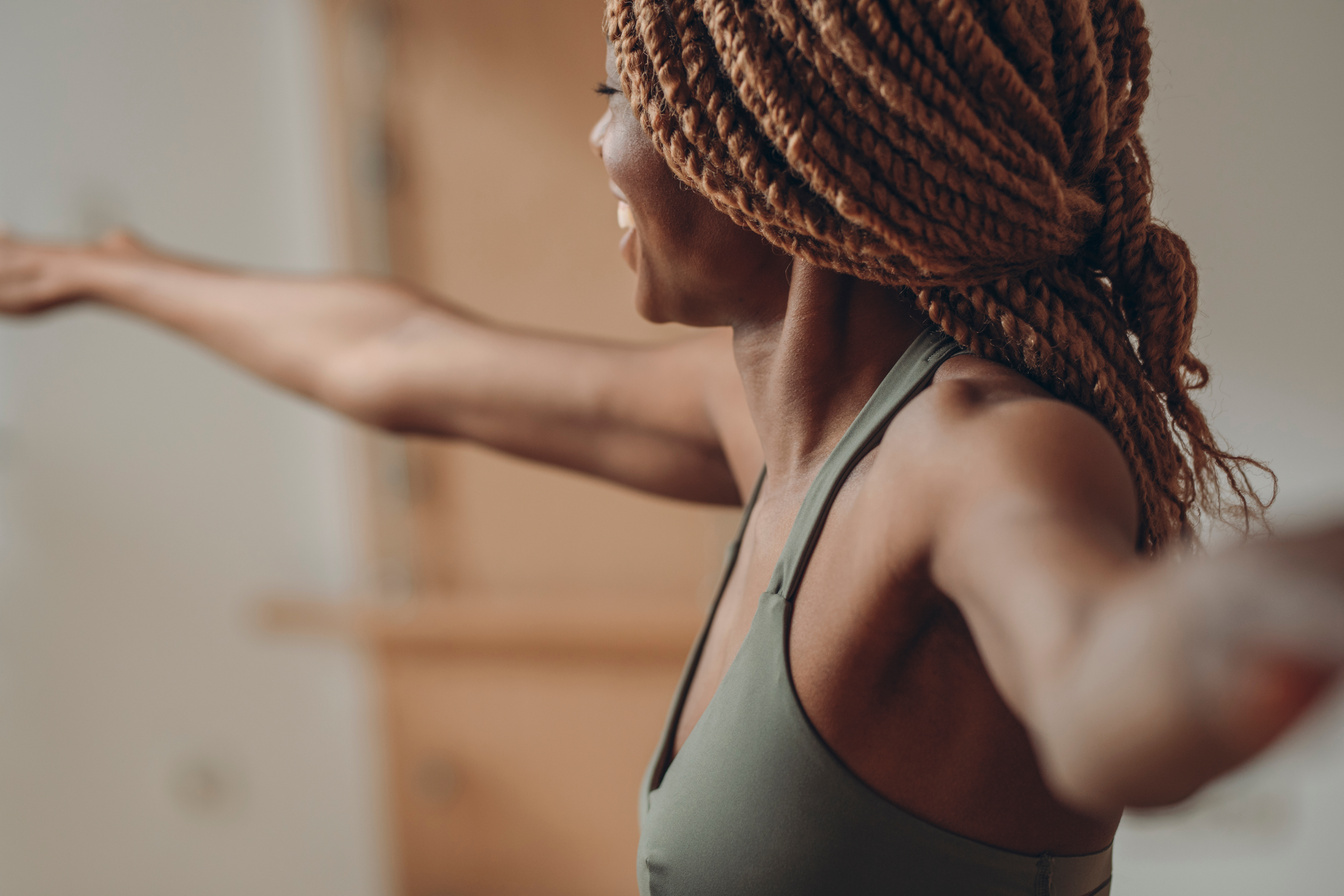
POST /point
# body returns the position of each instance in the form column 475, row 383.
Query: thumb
column 121, row 240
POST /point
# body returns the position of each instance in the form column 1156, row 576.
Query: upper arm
column 1138, row 681
column 652, row 417
column 1035, row 519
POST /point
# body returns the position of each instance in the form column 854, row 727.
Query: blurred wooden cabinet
column 530, row 624
column 516, row 765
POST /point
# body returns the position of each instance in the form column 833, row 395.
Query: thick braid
column 1081, row 74
column 981, row 155
column 878, row 100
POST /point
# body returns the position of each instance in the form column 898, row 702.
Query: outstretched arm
column 1139, row 680
column 391, row 356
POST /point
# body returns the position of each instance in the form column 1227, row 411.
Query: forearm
column 1120, row 725
column 294, row 332
column 1098, row 671
column 1175, row 680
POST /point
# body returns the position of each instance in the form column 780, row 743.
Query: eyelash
column 605, row 89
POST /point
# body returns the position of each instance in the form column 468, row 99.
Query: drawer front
column 515, row 775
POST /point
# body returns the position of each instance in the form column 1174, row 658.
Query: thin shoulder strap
column 746, row 513
column 654, row 777
column 907, row 377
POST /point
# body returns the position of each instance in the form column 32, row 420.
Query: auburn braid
column 981, row 155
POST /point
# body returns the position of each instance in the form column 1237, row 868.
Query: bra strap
column 746, row 512
column 910, row 374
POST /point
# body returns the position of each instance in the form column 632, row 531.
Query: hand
column 1266, row 632
column 36, row 277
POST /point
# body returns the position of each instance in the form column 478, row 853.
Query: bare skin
column 975, row 637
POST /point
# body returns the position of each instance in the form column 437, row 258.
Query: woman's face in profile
column 693, row 264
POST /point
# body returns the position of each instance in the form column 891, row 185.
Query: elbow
column 356, row 388
column 1108, row 737
column 1083, row 737
column 1066, row 753
column 1101, row 782
column 1077, row 777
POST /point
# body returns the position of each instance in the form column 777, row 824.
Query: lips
column 625, row 219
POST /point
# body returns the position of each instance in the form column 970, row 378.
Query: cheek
column 670, row 219
column 692, row 261
column 638, row 171
column 665, row 213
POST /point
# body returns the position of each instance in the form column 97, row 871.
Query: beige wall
column 151, row 740
column 1246, row 126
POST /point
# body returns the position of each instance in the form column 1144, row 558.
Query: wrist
column 82, row 272
column 114, row 279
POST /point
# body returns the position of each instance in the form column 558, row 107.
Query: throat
column 809, row 368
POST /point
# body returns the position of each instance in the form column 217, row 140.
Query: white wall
column 1246, row 127
column 152, row 739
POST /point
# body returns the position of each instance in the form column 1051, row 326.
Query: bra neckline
column 907, row 377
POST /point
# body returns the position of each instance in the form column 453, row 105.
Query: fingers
column 27, row 282
column 1316, row 552
column 119, row 240
column 9, row 238
column 1279, row 605
column 22, row 290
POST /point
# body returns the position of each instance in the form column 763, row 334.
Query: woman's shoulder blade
column 982, row 428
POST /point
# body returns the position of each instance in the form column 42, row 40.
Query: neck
column 813, row 357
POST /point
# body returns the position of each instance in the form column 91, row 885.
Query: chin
column 649, row 307
column 664, row 307
column 661, row 298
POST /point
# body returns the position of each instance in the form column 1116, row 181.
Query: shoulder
column 982, row 433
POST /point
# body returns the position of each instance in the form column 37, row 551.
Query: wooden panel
column 517, row 731
column 568, row 627
column 497, row 201
column 526, row 680
column 519, row 777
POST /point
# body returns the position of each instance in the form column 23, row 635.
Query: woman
column 953, row 339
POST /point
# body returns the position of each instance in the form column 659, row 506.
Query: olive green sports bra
column 756, row 803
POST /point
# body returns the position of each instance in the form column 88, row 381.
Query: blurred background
column 248, row 648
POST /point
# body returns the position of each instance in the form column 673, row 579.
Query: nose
column 599, row 133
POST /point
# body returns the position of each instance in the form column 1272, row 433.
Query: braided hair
column 984, row 157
